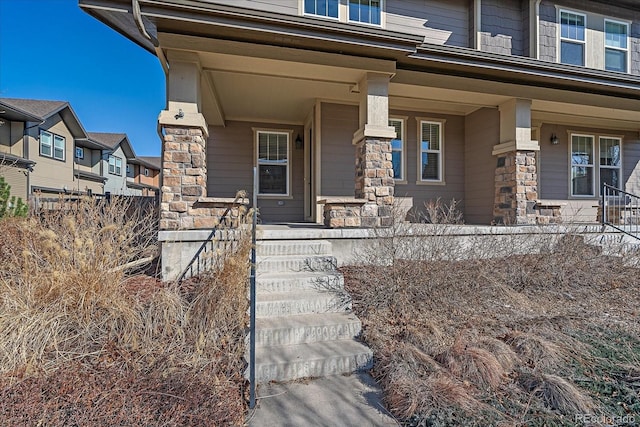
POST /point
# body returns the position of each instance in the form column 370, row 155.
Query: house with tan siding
column 143, row 173
column 519, row 109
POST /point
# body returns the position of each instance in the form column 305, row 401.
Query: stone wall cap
column 223, row 201
column 341, row 200
column 546, row 202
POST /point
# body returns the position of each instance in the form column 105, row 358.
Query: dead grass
column 83, row 342
column 525, row 340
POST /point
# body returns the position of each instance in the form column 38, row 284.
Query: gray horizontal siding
column 440, row 22
column 554, row 168
column 454, row 172
column 482, row 132
column 338, row 124
column 230, row 164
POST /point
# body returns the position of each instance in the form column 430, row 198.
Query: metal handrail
column 209, row 240
column 620, row 210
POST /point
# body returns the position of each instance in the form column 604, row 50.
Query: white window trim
column 441, row 161
column 146, row 171
column 303, row 13
column 64, row 147
column 403, row 154
column 619, row 167
column 343, row 14
column 79, row 150
column 116, row 170
column 560, row 38
column 596, row 184
column 289, row 133
column 626, row 51
column 41, row 143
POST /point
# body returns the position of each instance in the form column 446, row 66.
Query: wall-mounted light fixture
column 299, row 143
column 554, row 139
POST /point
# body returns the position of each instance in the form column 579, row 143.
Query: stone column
column 184, row 179
column 516, row 179
column 516, row 184
column 374, row 181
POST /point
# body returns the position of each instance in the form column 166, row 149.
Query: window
column 431, row 145
column 115, row 165
column 146, row 172
column 58, row 147
column 328, row 8
column 52, row 145
column 572, row 38
column 273, row 162
column 79, row 153
column 610, row 156
column 366, row 11
column 46, row 143
column 397, row 149
column 582, row 168
column 616, row 45
column 128, row 169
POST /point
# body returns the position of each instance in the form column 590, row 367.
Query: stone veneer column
column 374, row 181
column 184, row 177
column 516, row 188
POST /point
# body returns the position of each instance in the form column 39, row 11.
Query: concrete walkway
column 334, row 401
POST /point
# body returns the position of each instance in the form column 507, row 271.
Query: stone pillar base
column 342, row 212
column 516, row 189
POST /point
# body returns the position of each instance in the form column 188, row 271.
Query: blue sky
column 50, row 49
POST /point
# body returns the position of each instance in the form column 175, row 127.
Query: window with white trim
column 46, row 143
column 582, row 165
column 572, row 38
column 397, row 149
column 610, row 161
column 273, row 162
column 616, row 42
column 146, row 172
column 328, row 8
column 79, row 153
column 115, row 165
column 430, row 148
column 365, row 11
column 52, row 145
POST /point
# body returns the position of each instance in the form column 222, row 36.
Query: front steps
column 304, row 326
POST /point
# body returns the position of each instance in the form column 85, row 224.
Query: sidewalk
column 335, row 401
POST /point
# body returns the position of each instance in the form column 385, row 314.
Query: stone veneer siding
column 516, row 188
column 374, row 185
column 184, row 183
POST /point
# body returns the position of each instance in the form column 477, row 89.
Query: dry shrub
column 85, row 342
column 535, row 351
column 476, row 365
column 558, row 393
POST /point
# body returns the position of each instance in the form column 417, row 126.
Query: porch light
column 299, row 143
column 554, row 139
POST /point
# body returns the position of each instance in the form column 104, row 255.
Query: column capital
column 183, row 119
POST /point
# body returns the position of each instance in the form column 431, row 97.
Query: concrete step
column 291, row 362
column 271, row 304
column 295, row 263
column 293, row 247
column 285, row 282
column 306, row 328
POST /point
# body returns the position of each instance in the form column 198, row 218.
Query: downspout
column 534, row 33
column 478, row 24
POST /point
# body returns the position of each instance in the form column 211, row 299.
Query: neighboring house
column 143, row 173
column 46, row 137
column 117, row 150
column 521, row 110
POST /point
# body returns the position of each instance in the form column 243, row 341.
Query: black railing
column 620, row 210
column 220, row 244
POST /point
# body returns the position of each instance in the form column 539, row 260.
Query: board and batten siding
column 440, row 22
column 482, row 132
column 595, row 15
column 503, row 27
column 230, row 161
